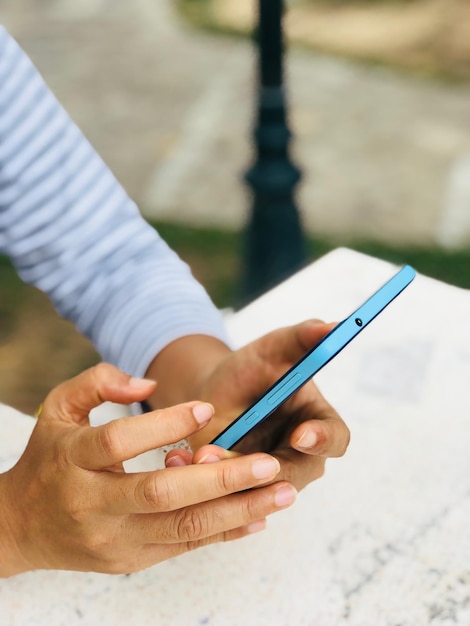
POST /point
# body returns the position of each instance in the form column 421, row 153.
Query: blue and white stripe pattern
column 71, row 230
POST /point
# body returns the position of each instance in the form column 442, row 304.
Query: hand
column 302, row 434
column 68, row 504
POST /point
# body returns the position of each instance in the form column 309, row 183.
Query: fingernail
column 203, row 412
column 209, row 458
column 285, row 496
column 175, row 461
column 141, row 383
column 307, row 440
column 255, row 527
column 266, row 468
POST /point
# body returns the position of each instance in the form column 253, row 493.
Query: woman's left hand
column 302, row 433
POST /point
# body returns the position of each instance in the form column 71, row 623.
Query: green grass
column 215, row 257
column 12, row 297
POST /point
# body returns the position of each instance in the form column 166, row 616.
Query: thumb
column 72, row 400
column 290, row 343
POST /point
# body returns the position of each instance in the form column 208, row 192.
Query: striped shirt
column 71, row 230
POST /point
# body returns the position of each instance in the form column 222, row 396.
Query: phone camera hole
column 358, row 321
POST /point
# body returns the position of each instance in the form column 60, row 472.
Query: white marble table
column 382, row 540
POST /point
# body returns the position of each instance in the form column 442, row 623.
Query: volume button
column 251, row 417
column 284, row 390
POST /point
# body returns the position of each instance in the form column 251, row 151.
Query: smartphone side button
column 252, row 417
column 283, row 391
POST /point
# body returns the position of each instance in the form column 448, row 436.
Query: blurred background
column 378, row 102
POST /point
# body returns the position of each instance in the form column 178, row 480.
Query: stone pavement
column 170, row 109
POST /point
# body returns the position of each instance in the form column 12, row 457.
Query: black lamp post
column 274, row 243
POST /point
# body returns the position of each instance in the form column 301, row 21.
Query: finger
column 291, row 343
column 228, row 535
column 73, row 400
column 179, row 487
column 125, row 438
column 153, row 553
column 178, row 457
column 204, row 520
column 300, row 469
column 326, row 435
column 211, row 453
column 208, row 453
column 329, row 438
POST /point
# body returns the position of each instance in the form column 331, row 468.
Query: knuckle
column 100, row 375
column 49, row 478
column 253, row 507
column 95, row 543
column 157, row 493
column 102, row 549
column 76, row 511
column 333, row 442
column 105, row 551
column 191, row 525
column 225, row 477
column 336, row 442
column 101, row 370
column 111, row 440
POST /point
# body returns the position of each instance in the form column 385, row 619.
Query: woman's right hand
column 68, row 504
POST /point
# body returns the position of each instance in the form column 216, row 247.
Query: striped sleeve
column 71, row 230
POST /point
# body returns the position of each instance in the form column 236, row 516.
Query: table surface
column 381, row 540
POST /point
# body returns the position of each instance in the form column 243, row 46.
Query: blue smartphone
column 314, row 360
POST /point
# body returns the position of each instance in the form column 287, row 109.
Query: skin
column 68, row 504
column 302, row 434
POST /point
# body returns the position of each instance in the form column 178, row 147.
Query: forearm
column 71, row 230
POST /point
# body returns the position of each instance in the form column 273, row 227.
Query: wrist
column 12, row 561
column 182, row 367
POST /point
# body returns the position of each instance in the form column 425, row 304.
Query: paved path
column 170, row 111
